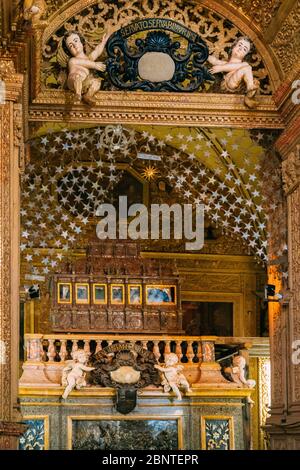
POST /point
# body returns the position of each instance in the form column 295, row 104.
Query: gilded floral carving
column 294, row 306
column 5, row 259
column 8, row 430
column 291, row 170
column 6, row 68
column 260, row 12
column 93, row 18
column 54, row 5
column 286, row 44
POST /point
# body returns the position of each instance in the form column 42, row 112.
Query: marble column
column 11, row 157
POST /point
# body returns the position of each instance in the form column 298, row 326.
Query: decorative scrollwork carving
column 157, row 63
column 286, row 44
column 260, row 13
column 291, row 170
column 218, row 33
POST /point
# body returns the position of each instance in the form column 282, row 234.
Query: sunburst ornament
column 150, row 173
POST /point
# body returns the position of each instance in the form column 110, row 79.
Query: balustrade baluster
column 98, row 346
column 178, row 350
column 167, row 347
column 199, row 352
column 63, row 350
column 51, row 350
column 190, row 352
column 34, row 349
column 86, row 346
column 55, row 349
column 156, row 350
column 74, row 346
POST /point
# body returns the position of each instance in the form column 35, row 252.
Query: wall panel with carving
column 91, row 20
column 286, row 43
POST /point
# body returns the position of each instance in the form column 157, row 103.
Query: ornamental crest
column 157, row 54
column 126, row 367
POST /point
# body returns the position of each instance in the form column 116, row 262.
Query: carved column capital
column 291, row 171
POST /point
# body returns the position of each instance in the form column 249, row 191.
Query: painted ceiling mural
column 73, row 170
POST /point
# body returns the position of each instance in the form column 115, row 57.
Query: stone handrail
column 59, row 347
column 46, row 354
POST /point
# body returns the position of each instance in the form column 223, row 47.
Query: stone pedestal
column 210, row 376
column 39, row 374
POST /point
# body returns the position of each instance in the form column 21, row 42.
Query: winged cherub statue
column 237, row 71
column 81, row 80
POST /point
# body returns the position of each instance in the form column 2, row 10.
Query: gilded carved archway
column 215, row 24
column 279, row 50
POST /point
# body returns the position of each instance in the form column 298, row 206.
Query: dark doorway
column 208, row 318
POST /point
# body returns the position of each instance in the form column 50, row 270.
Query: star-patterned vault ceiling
column 73, row 170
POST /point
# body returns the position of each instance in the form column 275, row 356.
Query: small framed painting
column 99, row 294
column 134, row 294
column 160, row 295
column 64, row 293
column 117, row 294
column 82, row 293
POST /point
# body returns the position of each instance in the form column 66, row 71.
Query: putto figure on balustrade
column 74, row 373
column 237, row 374
column 172, row 377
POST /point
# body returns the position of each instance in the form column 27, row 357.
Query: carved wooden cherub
column 172, row 376
column 74, row 373
column 80, row 78
column 33, row 10
column 237, row 71
column 237, row 374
